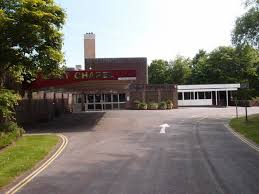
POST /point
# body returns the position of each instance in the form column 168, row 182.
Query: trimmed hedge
column 142, row 106
column 138, row 105
column 162, row 106
column 169, row 104
column 9, row 133
column 152, row 106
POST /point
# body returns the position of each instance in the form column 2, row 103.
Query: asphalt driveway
column 123, row 152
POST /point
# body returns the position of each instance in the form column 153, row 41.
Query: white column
column 183, row 95
column 216, row 92
column 227, row 97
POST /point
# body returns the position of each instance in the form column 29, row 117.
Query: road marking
column 30, row 177
column 242, row 138
column 163, row 127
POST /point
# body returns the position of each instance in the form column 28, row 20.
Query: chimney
column 89, row 45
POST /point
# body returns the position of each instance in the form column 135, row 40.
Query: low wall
column 42, row 106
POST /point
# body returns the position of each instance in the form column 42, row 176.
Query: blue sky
column 156, row 29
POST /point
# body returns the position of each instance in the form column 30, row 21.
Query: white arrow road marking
column 163, row 127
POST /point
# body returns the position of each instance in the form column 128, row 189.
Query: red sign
column 71, row 77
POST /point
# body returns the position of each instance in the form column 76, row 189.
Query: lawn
column 23, row 155
column 249, row 129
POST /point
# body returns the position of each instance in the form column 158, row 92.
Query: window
column 79, row 100
column 115, row 97
column 122, row 97
column 107, row 97
column 180, row 96
column 98, row 98
column 90, row 98
column 208, row 95
column 201, row 95
column 187, row 95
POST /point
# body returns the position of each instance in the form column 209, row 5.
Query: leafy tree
column 200, row 69
column 157, row 71
column 228, row 65
column 30, row 40
column 201, row 54
column 246, row 30
column 179, row 71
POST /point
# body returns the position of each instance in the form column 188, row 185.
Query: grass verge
column 250, row 128
column 23, row 155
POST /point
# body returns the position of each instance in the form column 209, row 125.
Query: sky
column 156, row 29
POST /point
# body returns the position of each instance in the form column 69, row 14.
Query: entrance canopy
column 87, row 80
column 97, row 86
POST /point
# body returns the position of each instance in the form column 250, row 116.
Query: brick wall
column 152, row 93
column 42, row 106
column 138, row 64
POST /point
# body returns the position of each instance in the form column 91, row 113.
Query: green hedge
column 152, row 106
column 9, row 133
column 143, row 106
column 138, row 105
column 162, row 106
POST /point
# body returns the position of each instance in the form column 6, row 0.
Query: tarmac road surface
column 123, row 152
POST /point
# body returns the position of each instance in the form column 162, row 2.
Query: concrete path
column 123, row 152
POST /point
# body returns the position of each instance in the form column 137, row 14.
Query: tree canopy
column 30, row 42
column 246, row 29
column 223, row 65
column 30, row 37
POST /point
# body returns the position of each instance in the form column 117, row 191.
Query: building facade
column 108, row 83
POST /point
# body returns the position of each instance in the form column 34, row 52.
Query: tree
column 30, row 39
column 30, row 36
column 229, row 65
column 198, row 57
column 179, row 71
column 157, row 71
column 246, row 29
column 200, row 68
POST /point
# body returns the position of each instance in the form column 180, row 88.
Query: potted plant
column 162, row 105
column 136, row 104
column 169, row 104
column 152, row 106
column 143, row 106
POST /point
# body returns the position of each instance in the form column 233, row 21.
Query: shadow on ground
column 76, row 122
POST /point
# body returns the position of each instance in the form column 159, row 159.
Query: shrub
column 254, row 101
column 136, row 104
column 152, row 106
column 9, row 132
column 8, row 100
column 169, row 104
column 162, row 105
column 142, row 106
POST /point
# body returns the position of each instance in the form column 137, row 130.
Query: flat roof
column 209, row 87
column 126, row 60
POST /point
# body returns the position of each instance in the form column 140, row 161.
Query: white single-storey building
column 206, row 95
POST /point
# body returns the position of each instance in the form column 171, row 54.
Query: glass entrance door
column 95, row 102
